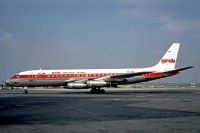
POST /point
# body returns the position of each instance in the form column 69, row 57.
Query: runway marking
column 20, row 105
column 116, row 99
column 140, row 96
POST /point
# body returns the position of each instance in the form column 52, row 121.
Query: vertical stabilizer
column 168, row 61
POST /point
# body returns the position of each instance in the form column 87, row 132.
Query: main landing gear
column 97, row 91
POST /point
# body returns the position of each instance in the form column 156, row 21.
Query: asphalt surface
column 119, row 111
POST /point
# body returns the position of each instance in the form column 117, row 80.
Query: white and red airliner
column 98, row 78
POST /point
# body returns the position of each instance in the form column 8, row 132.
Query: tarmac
column 120, row 110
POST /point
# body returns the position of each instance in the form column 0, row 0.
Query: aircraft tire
column 97, row 91
column 102, row 91
column 25, row 91
column 92, row 91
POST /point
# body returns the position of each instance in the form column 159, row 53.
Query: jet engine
column 97, row 83
column 76, row 86
column 89, row 84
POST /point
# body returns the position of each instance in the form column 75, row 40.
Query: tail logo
column 168, row 61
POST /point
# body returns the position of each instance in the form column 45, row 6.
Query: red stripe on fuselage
column 154, row 74
column 49, row 76
column 91, row 75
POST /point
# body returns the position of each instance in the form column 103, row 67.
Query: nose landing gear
column 25, row 90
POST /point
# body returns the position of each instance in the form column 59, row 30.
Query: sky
column 70, row 34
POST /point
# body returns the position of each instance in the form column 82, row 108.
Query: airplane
column 95, row 79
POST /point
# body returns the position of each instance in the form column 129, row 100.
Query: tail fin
column 168, row 61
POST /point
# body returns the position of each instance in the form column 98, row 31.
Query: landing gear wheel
column 97, row 91
column 102, row 91
column 25, row 91
column 93, row 91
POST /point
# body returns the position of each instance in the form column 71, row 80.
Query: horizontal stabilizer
column 180, row 69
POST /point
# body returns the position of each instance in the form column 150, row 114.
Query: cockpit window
column 17, row 75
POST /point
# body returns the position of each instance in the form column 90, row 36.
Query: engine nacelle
column 97, row 83
column 76, row 86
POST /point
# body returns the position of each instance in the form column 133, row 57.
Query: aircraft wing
column 120, row 77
